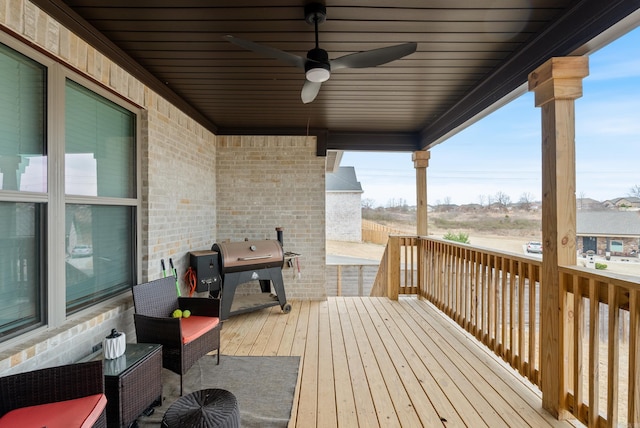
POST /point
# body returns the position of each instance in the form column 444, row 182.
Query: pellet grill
column 246, row 261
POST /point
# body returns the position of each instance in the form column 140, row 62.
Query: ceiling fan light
column 318, row 75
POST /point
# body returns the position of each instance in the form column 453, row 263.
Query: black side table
column 133, row 383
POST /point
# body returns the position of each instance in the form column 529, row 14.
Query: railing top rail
column 515, row 256
column 616, row 279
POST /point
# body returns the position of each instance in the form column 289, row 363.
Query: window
column 22, row 119
column 100, row 163
column 99, row 145
column 100, row 253
column 617, row 246
column 94, row 200
column 21, row 301
column 22, row 177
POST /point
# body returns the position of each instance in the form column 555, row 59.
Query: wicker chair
column 52, row 385
column 154, row 303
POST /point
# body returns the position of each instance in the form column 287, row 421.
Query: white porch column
column 557, row 84
column 421, row 162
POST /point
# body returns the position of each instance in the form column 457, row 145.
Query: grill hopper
column 246, row 261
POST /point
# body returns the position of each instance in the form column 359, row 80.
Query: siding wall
column 344, row 216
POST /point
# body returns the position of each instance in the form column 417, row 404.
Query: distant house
column 588, row 204
column 630, row 203
column 617, row 232
column 343, row 205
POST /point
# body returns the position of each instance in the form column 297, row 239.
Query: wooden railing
column 399, row 270
column 350, row 279
column 492, row 295
column 602, row 347
column 495, row 296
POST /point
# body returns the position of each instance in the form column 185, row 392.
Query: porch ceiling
column 470, row 55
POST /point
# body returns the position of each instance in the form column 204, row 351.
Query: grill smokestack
column 279, row 233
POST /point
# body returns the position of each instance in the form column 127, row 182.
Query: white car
column 82, row 251
column 534, row 247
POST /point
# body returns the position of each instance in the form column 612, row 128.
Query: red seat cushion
column 80, row 412
column 195, row 326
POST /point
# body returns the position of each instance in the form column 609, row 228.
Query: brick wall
column 179, row 159
column 269, row 182
column 344, row 216
column 178, row 187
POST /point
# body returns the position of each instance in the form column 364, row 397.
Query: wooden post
column 557, row 84
column 421, row 162
column 393, row 267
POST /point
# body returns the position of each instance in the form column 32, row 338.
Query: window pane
column 21, row 297
column 99, row 146
column 99, row 253
column 22, row 117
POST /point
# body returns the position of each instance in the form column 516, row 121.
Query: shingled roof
column 608, row 223
column 343, row 180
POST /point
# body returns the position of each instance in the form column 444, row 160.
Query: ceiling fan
column 317, row 65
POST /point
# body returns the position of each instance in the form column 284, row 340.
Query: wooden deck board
column 374, row 366
column 345, row 404
column 376, row 362
column 441, row 387
column 327, row 416
column 508, row 387
column 407, row 414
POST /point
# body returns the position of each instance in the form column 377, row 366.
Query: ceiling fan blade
column 374, row 57
column 310, row 91
column 294, row 60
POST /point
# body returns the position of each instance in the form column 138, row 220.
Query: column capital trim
column 559, row 78
column 421, row 158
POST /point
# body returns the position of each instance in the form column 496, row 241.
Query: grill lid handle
column 254, row 257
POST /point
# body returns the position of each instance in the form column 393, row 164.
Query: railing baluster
column 458, row 273
column 532, row 323
column 503, row 310
column 594, row 353
column 578, row 328
column 475, row 267
column 474, row 292
column 512, row 316
column 634, row 358
column 466, row 288
column 496, row 305
column 613, row 356
column 485, row 301
column 521, row 313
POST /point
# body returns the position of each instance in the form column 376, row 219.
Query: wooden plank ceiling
column 470, row 54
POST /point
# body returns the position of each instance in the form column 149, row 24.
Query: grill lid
column 249, row 255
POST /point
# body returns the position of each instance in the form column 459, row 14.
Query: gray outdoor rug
column 263, row 386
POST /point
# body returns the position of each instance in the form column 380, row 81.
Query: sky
column 502, row 152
